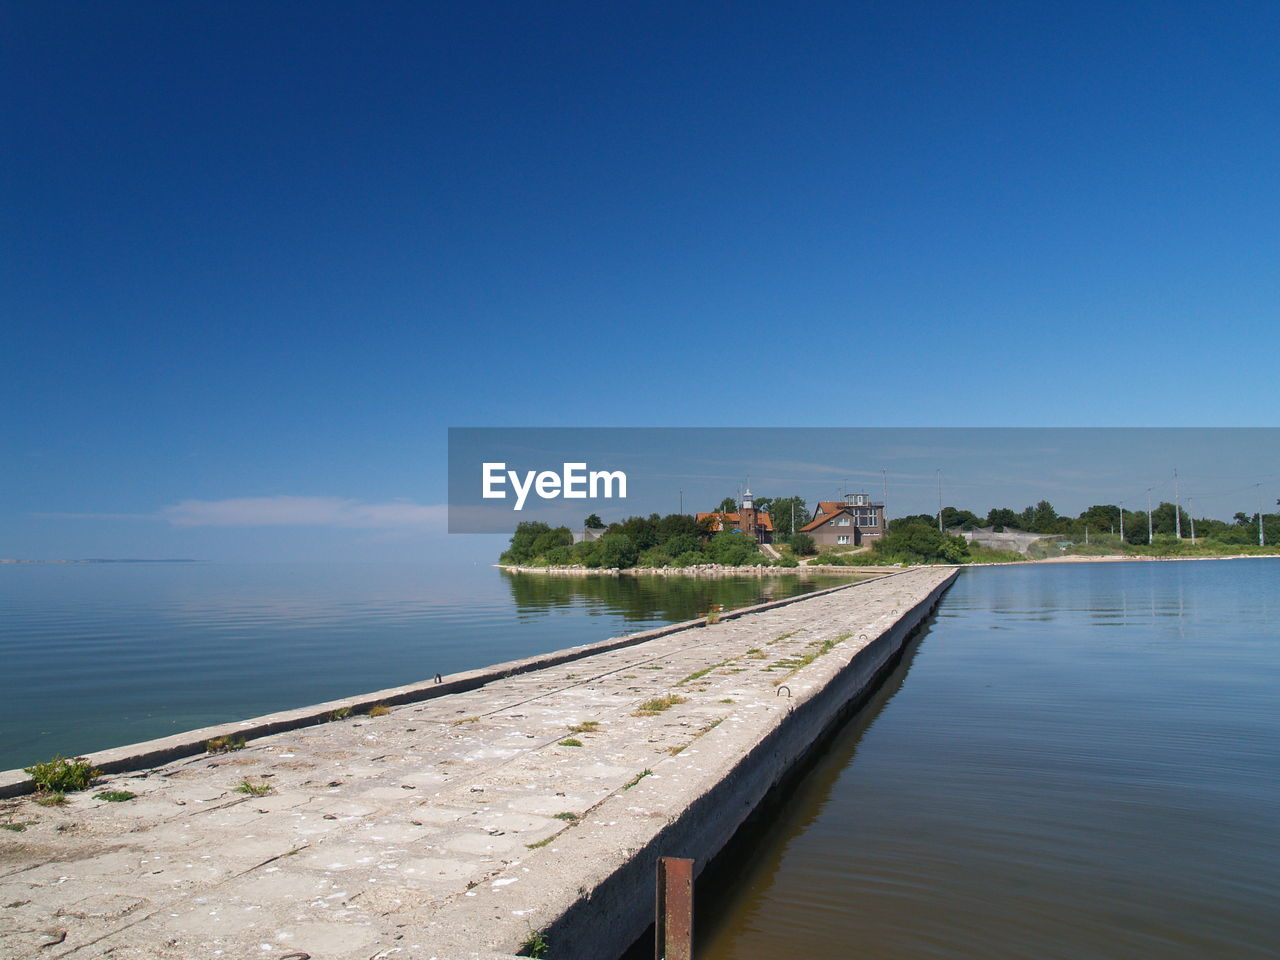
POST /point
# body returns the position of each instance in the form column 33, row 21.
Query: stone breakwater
column 701, row 570
column 536, row 800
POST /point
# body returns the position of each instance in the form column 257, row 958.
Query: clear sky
column 269, row 252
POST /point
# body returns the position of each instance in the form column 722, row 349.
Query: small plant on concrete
column 16, row 826
column 646, row 772
column 651, row 708
column 253, row 789
column 114, row 796
column 535, row 945
column 571, row 742
column 568, row 817
column 699, row 674
column 224, row 744
column 713, row 615
column 54, row 798
column 586, row 726
column 817, row 648
column 340, row 714
column 61, row 775
column 379, row 710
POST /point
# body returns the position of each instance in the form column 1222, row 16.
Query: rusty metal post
column 673, row 926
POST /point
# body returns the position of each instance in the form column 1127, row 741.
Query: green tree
column 733, row 549
column 802, row 544
column 782, row 509
column 684, row 543
column 913, row 519
column 965, row 519
column 1041, row 518
column 1002, row 517
column 1101, row 518
column 643, row 531
column 727, row 505
column 675, row 525
column 921, row 543
column 593, row 522
column 617, row 550
column 521, row 549
column 1164, row 519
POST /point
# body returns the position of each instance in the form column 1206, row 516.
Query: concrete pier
column 531, row 798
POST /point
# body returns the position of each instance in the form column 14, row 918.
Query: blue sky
column 255, row 252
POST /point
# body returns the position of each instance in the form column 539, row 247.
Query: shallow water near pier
column 98, row 655
column 1072, row 762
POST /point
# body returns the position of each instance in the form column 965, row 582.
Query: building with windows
column 754, row 523
column 846, row 522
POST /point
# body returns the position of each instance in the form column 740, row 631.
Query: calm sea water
column 1074, row 762
column 97, row 655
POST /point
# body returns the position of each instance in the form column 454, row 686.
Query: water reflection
column 654, row 599
column 1040, row 788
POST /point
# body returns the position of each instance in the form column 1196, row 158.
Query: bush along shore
column 764, row 569
column 677, row 544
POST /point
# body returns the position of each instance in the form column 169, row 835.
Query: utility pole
column 1150, row 529
column 1261, row 539
column 1191, row 511
column 884, row 504
column 1122, row 524
column 793, row 516
column 939, row 499
column 1177, row 505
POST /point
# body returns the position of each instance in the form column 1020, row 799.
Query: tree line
column 679, row 540
column 1099, row 519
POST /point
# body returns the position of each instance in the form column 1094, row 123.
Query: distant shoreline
column 1127, row 558
column 14, row 561
column 715, row 570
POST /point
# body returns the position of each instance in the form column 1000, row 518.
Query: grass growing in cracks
column 114, row 796
column 651, row 708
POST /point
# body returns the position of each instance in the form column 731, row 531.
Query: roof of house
column 828, row 510
column 762, row 519
column 826, row 516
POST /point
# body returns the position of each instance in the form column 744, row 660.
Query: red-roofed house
column 849, row 521
column 755, row 524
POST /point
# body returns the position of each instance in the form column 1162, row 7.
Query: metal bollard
column 673, row 926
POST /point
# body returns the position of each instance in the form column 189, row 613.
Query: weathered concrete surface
column 456, row 826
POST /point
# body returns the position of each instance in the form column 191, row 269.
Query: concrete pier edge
column 620, row 909
column 152, row 753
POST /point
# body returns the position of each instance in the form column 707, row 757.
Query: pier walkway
column 457, row 826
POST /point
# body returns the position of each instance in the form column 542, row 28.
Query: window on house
column 843, row 538
column 844, row 522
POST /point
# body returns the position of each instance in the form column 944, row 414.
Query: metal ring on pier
column 862, row 636
column 786, row 688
